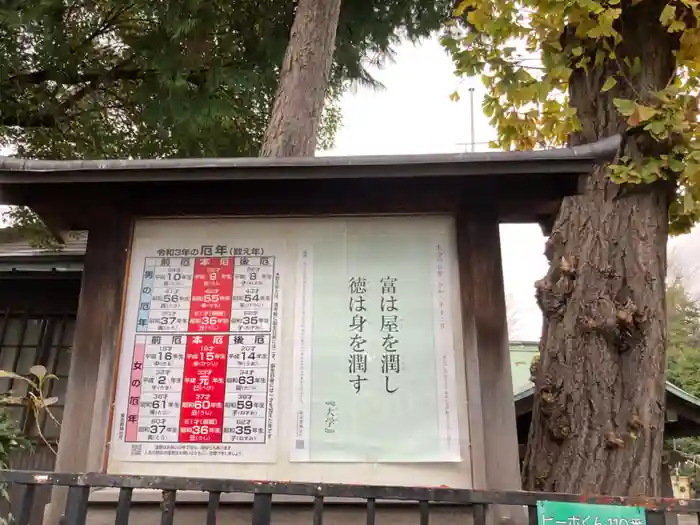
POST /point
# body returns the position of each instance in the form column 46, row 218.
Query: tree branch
column 105, row 25
column 28, row 119
column 92, row 81
column 25, row 79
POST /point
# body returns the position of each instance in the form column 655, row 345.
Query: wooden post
column 670, row 518
column 477, row 436
column 94, row 356
column 489, row 384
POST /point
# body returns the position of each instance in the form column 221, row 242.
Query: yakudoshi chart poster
column 197, row 374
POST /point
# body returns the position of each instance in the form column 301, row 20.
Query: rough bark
column 296, row 113
column 598, row 418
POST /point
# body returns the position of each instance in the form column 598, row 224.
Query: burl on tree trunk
column 597, row 424
column 296, row 113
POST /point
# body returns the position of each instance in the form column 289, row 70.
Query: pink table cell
column 132, row 411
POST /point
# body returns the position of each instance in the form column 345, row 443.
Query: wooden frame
column 520, row 186
column 479, row 190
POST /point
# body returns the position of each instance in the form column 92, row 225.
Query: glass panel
column 22, row 331
column 7, row 357
column 50, row 428
column 20, row 339
column 27, row 359
column 63, row 364
column 13, row 331
column 32, row 333
column 5, row 385
column 19, row 388
column 58, row 389
column 66, row 334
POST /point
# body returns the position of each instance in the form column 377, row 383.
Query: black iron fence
column 79, row 487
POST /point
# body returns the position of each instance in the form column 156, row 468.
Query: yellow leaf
column 668, row 14
column 476, row 18
column 646, row 113
column 676, row 26
column 550, row 106
column 624, row 106
column 454, row 96
column 599, row 57
column 459, row 10
column 688, row 203
column 690, row 45
column 594, row 32
column 641, row 114
column 609, row 84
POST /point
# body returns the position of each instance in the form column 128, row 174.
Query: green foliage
column 12, row 439
column 330, row 122
column 151, row 79
column 527, row 51
column 683, row 348
column 683, row 365
column 30, row 228
column 35, row 398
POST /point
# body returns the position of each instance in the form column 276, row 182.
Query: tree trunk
column 296, row 113
column 597, row 424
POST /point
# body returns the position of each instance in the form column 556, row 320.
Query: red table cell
column 212, row 288
column 203, row 389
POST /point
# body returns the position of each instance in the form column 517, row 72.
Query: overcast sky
column 415, row 115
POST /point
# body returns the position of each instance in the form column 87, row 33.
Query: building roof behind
column 521, row 355
column 21, row 255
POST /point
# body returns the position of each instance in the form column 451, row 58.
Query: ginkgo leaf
column 624, row 106
column 668, row 14
column 459, row 10
column 518, row 92
column 676, row 26
column 645, row 112
column 610, row 83
column 688, row 203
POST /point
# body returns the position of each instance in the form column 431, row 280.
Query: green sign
column 560, row 513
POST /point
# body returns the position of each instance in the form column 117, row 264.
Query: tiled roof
column 521, row 354
column 76, row 243
column 20, row 255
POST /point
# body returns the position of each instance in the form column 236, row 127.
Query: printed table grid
column 201, row 362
